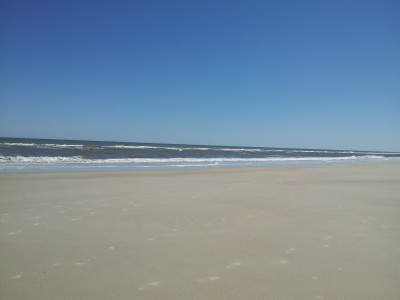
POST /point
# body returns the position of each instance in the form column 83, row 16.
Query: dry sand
column 322, row 232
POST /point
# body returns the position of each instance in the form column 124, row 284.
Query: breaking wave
column 36, row 154
column 82, row 160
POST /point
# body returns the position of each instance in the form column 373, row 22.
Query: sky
column 309, row 74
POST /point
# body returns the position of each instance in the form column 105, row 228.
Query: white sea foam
column 18, row 144
column 81, row 160
column 319, row 151
column 240, row 150
column 144, row 147
column 194, row 148
column 43, row 145
column 40, row 159
column 60, row 146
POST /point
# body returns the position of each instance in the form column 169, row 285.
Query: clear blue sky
column 312, row 74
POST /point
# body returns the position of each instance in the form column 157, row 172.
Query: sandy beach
column 310, row 232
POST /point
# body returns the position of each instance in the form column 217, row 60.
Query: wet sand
column 320, row 232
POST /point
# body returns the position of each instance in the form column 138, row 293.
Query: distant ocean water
column 25, row 155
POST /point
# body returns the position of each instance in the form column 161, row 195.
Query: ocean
column 45, row 155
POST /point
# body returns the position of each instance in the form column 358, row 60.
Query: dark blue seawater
column 67, row 155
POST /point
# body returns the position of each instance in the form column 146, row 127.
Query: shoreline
column 53, row 168
column 286, row 232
